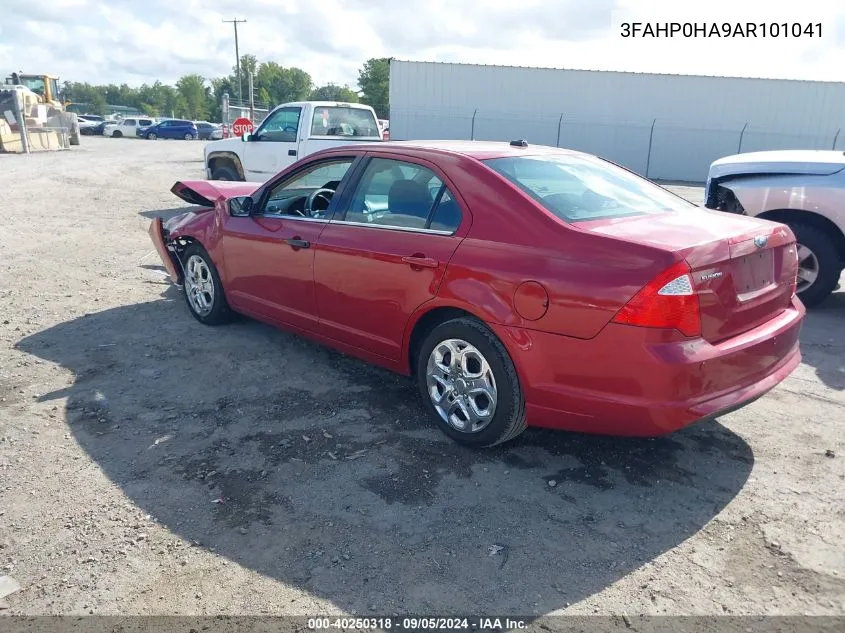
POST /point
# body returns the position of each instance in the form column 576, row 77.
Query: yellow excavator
column 45, row 87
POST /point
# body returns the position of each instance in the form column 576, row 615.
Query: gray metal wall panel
column 699, row 119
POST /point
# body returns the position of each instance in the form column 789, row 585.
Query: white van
column 127, row 127
column 290, row 132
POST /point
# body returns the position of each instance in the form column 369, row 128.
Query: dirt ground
column 151, row 465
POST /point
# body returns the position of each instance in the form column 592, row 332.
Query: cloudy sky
column 135, row 41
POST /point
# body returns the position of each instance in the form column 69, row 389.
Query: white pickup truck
column 290, row 132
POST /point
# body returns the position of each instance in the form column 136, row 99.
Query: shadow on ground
column 332, row 479
column 822, row 341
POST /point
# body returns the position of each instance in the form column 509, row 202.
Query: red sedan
column 519, row 285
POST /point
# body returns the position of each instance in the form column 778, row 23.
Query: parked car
column 96, row 129
column 206, row 129
column 171, row 128
column 290, row 132
column 519, row 285
column 88, row 122
column 216, row 134
column 804, row 190
column 127, row 127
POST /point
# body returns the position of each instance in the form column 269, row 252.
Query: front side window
column 129, row 122
column 344, row 121
column 308, row 193
column 580, row 188
column 403, row 195
column 280, row 126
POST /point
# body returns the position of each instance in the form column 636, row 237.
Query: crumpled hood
column 204, row 193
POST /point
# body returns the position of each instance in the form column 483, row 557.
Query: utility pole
column 235, row 23
column 251, row 100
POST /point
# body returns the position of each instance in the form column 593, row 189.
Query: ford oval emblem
column 760, row 241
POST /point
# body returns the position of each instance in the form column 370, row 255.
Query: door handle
column 419, row 262
column 295, row 242
column 291, row 152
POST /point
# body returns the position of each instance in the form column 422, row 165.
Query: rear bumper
column 641, row 382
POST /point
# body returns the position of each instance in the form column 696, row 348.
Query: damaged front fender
column 165, row 252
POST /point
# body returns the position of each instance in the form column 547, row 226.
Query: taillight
column 793, row 253
column 669, row 301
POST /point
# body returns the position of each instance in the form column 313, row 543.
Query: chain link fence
column 658, row 149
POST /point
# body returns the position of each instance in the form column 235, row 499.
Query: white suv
column 127, row 126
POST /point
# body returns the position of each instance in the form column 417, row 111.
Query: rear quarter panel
column 587, row 277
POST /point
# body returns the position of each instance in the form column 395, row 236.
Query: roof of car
column 479, row 150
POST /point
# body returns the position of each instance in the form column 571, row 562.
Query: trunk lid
column 743, row 269
column 204, row 193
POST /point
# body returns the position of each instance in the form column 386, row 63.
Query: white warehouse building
column 668, row 127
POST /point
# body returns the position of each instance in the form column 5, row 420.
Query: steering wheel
column 325, row 194
column 289, row 128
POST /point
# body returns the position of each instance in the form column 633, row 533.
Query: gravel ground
column 151, row 465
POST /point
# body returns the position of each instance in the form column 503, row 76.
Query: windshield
column 579, row 188
column 36, row 84
column 344, row 121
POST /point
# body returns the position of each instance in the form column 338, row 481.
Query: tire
column 151, row 136
column 829, row 267
column 197, row 263
column 189, row 137
column 508, row 415
column 224, row 173
column 117, row 134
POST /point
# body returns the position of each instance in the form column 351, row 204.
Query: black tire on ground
column 117, row 134
column 830, row 265
column 152, row 136
column 224, row 173
column 509, row 417
column 189, row 136
column 220, row 311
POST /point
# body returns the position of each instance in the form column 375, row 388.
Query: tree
column 283, row 84
column 373, row 79
column 97, row 103
column 194, row 94
column 249, row 64
column 333, row 92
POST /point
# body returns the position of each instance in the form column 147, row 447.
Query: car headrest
column 409, row 197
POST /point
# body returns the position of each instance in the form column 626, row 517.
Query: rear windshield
column 344, row 121
column 579, row 188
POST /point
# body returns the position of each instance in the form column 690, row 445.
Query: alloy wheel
column 199, row 285
column 808, row 268
column 461, row 385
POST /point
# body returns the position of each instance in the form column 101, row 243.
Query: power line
column 234, row 22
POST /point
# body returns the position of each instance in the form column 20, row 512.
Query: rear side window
column 397, row 194
column 579, row 188
column 344, row 121
column 146, row 122
column 447, row 214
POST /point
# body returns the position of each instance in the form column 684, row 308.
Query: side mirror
column 246, row 138
column 241, row 206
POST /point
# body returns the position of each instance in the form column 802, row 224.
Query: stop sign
column 241, row 126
